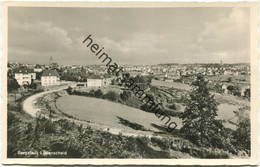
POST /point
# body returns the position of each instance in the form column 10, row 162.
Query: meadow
column 109, row 113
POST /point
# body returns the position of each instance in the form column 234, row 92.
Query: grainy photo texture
column 129, row 83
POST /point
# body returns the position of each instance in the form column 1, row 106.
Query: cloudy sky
column 129, row 35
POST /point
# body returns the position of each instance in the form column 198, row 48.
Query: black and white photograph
column 130, row 82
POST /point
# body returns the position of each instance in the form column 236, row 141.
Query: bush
column 164, row 144
column 46, row 125
column 113, row 96
column 65, row 124
column 98, row 93
column 213, row 153
column 242, row 134
column 172, row 106
column 69, row 90
column 91, row 93
column 12, row 85
column 57, row 145
column 125, row 95
column 145, row 107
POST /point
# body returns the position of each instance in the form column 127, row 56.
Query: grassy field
column 109, row 113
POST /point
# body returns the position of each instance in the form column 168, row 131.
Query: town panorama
column 182, row 88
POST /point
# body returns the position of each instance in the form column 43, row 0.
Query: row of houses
column 25, row 76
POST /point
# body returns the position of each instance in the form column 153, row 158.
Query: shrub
column 172, row 106
column 91, row 93
column 113, row 96
column 47, row 125
column 12, row 84
column 65, row 124
column 164, row 144
column 57, row 145
column 69, row 90
column 125, row 95
column 242, row 134
column 213, row 153
column 98, row 93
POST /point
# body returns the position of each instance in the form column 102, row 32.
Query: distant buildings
column 24, row 76
column 50, row 78
column 231, row 78
column 38, row 69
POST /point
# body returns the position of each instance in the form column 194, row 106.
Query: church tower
column 50, row 60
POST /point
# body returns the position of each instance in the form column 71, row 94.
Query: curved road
column 28, row 104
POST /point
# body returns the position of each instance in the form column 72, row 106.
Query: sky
column 129, row 35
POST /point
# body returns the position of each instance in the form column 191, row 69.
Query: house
column 24, row 76
column 94, row 81
column 50, row 78
column 97, row 81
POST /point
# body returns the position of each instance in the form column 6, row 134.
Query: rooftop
column 50, row 73
column 23, row 70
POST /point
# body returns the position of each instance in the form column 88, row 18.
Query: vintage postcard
column 130, row 83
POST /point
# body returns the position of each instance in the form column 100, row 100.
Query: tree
column 229, row 79
column 237, row 91
column 247, row 93
column 199, row 117
column 113, row 96
column 69, row 90
column 38, row 75
column 230, row 88
column 234, row 90
column 113, row 82
column 218, row 88
column 142, row 81
column 125, row 95
column 172, row 106
column 242, row 133
column 98, row 93
column 33, row 85
column 12, row 84
column 91, row 93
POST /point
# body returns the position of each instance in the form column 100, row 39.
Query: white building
column 24, row 76
column 91, row 82
column 50, row 78
column 96, row 81
column 37, row 70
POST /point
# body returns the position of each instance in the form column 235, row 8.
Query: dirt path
column 28, row 104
